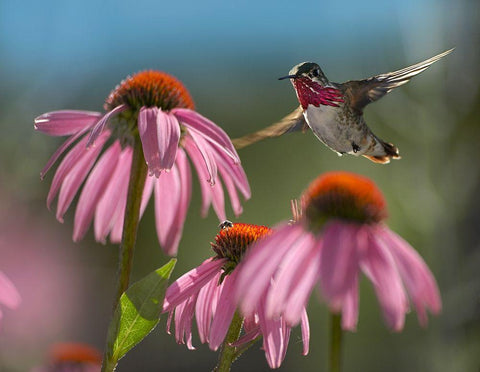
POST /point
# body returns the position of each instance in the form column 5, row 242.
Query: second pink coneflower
column 156, row 107
column 340, row 234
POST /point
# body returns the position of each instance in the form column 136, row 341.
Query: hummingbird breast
column 338, row 128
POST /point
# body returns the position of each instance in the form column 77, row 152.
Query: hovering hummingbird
column 334, row 111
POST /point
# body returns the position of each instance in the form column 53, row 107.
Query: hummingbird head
column 307, row 70
column 312, row 86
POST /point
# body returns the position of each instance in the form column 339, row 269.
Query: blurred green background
column 69, row 55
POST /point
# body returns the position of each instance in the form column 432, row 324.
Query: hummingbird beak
column 288, row 77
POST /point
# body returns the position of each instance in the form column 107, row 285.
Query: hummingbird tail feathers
column 391, row 152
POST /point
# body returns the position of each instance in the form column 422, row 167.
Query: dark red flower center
column 151, row 89
column 343, row 195
column 233, row 241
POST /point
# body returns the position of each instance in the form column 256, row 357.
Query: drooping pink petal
column 172, row 197
column 119, row 216
column 305, row 326
column 206, row 306
column 214, row 145
column 208, row 128
column 168, row 137
column 147, row 128
column 211, row 193
column 218, row 200
column 261, row 262
column 74, row 179
column 113, row 195
column 276, row 335
column 93, row 190
column 160, row 133
column 190, row 283
column 339, row 261
column 291, row 270
column 301, row 290
column 236, row 172
column 167, row 201
column 350, row 308
column 65, row 122
column 9, row 295
column 378, row 265
column 232, row 191
column 416, row 275
column 185, row 189
column 248, row 336
column 100, row 125
column 60, row 151
column 202, row 173
column 207, row 154
column 183, row 322
column 64, row 168
column 223, row 316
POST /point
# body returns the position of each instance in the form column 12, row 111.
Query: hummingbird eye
column 315, row 73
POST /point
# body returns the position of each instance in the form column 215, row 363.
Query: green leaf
column 137, row 313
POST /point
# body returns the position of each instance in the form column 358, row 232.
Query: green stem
column 335, row 342
column 138, row 174
column 228, row 353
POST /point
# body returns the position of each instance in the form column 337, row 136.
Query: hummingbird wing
column 293, row 122
column 362, row 92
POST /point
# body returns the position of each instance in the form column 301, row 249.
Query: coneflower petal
column 205, row 308
column 203, row 176
column 74, row 179
column 100, row 125
column 223, row 316
column 305, row 327
column 65, row 122
column 416, row 275
column 112, row 197
column 339, row 261
column 207, row 127
column 167, row 200
column 93, row 190
column 168, row 138
column 9, row 295
column 190, row 283
column 261, row 262
column 350, row 307
column 379, row 266
column 207, row 154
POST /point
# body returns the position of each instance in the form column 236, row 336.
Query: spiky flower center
column 150, row 89
column 345, row 196
column 233, row 241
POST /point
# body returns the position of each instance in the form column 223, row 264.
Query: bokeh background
column 60, row 54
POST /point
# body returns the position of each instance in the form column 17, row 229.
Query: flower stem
column 228, row 353
column 335, row 342
column 138, row 174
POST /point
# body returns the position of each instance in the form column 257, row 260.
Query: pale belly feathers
column 332, row 127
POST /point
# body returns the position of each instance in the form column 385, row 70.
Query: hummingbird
column 334, row 111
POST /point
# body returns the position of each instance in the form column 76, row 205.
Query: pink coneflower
column 206, row 293
column 340, row 234
column 9, row 296
column 156, row 107
column 72, row 357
